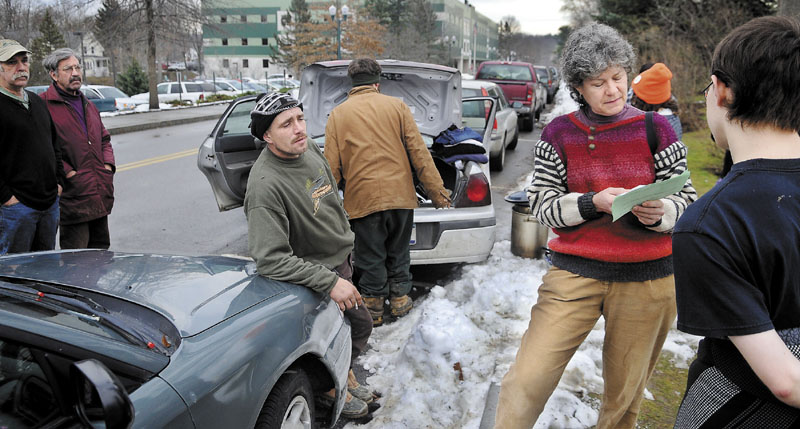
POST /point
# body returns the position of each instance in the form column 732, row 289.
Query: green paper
column 623, row 203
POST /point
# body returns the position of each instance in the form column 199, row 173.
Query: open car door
column 229, row 152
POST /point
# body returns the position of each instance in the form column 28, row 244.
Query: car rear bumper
column 464, row 237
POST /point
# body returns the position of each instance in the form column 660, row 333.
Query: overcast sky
column 535, row 16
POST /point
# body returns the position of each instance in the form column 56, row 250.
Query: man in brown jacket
column 371, row 144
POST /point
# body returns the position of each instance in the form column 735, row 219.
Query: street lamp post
column 450, row 42
column 345, row 12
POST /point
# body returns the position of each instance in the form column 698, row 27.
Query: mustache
column 18, row 75
column 75, row 79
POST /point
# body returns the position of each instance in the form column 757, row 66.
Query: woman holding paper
column 619, row 270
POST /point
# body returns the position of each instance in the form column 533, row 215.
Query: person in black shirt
column 31, row 174
column 735, row 250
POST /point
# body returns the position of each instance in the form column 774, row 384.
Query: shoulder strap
column 652, row 140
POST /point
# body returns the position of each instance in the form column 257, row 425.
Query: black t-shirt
column 736, row 253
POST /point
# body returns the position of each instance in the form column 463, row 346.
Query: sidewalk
column 130, row 122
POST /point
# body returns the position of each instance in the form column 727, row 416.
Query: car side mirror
column 516, row 104
column 100, row 395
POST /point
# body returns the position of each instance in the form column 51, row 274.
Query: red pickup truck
column 520, row 85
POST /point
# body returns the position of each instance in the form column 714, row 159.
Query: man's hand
column 649, row 212
column 11, row 201
column 60, row 189
column 71, row 174
column 346, row 295
column 603, row 199
column 441, row 199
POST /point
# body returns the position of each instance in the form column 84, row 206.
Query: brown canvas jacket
column 371, row 144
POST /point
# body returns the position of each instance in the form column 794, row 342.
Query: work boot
column 375, row 306
column 400, row 305
column 358, row 390
column 354, row 408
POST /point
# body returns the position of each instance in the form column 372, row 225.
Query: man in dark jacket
column 87, row 154
column 30, row 160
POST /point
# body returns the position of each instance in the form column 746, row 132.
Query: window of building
column 225, row 63
column 263, row 18
column 244, row 42
column 265, row 41
column 245, row 64
column 223, row 19
column 243, row 18
column 224, row 42
column 264, row 63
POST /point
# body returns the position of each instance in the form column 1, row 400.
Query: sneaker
column 375, row 306
column 358, row 390
column 400, row 305
column 354, row 408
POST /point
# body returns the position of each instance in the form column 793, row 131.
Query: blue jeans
column 23, row 229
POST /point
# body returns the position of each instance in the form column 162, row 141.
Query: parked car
column 520, row 84
column 102, row 104
column 543, row 74
column 556, row 77
column 505, row 132
column 463, row 233
column 93, row 338
column 191, row 91
column 122, row 101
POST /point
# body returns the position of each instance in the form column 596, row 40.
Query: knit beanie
column 653, row 85
column 267, row 107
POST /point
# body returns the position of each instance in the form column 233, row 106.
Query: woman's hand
column 649, row 212
column 603, row 199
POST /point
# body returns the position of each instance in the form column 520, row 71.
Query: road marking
column 157, row 159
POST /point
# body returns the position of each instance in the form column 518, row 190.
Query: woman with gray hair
column 620, row 270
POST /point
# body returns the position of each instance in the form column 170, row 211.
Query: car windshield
column 504, row 72
column 111, row 92
column 470, row 92
column 542, row 74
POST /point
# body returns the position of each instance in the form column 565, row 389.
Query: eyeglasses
column 69, row 69
column 707, row 88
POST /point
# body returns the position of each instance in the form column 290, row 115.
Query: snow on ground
column 435, row 365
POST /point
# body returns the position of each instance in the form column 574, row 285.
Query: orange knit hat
column 652, row 86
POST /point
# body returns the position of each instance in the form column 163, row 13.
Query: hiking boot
column 354, row 408
column 400, row 305
column 358, row 390
column 375, row 306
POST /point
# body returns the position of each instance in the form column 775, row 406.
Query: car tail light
column 530, row 92
column 494, row 127
column 476, row 193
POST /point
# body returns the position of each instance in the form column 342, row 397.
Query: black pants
column 382, row 259
column 85, row 235
column 360, row 319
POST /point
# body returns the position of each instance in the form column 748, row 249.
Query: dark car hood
column 194, row 293
column 432, row 92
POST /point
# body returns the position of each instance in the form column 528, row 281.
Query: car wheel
column 290, row 404
column 513, row 143
column 496, row 163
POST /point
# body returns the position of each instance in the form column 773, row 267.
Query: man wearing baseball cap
column 297, row 229
column 31, row 173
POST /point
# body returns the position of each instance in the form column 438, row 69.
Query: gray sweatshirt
column 297, row 227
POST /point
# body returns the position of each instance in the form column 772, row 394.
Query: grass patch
column 667, row 384
column 704, row 159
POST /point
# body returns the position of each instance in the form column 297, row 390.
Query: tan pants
column 637, row 316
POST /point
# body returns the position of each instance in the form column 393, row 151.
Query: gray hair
column 591, row 50
column 50, row 62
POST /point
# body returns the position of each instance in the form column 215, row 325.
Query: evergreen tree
column 297, row 34
column 49, row 40
column 133, row 80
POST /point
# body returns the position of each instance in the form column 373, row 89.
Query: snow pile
column 434, row 366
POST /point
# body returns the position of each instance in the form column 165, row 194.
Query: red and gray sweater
column 581, row 154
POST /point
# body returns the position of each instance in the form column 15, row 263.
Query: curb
column 158, row 124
